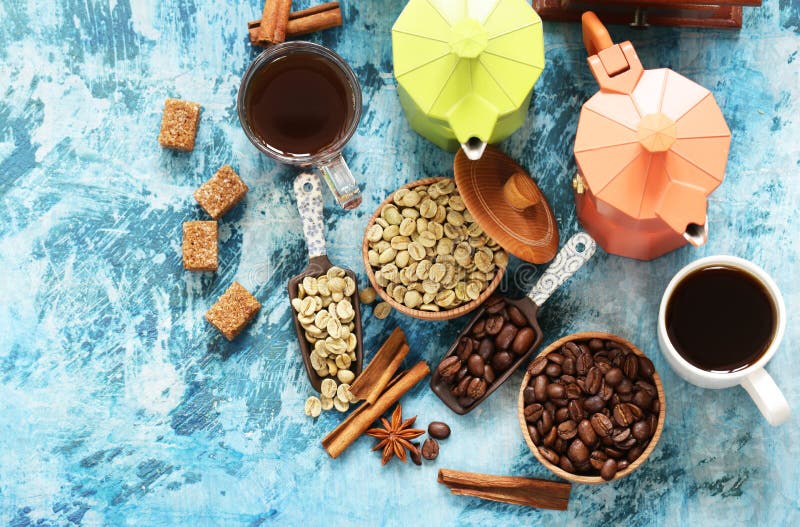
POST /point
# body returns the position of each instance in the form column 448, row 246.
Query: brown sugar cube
column 200, row 246
column 233, row 311
column 221, row 193
column 179, row 124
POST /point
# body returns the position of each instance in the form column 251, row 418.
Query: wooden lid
column 508, row 205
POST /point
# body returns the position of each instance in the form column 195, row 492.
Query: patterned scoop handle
column 576, row 252
column 308, row 191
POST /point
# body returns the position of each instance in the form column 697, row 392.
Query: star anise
column 395, row 436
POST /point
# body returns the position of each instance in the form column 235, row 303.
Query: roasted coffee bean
column 647, row 387
column 655, row 406
column 430, row 449
column 593, row 380
column 416, row 454
column 575, row 410
column 578, row 452
column 464, row 348
column 625, row 387
column 479, row 328
column 597, row 459
column 607, row 441
column 583, row 362
column 560, row 446
column 630, row 366
column 475, row 365
column 549, row 455
column 586, row 432
column 622, row 465
column 438, row 430
column 642, row 399
column 567, row 379
column 523, row 341
column 449, row 366
column 540, row 387
column 533, row 412
column 646, row 368
column 608, row 470
column 623, row 415
column 606, row 391
column 506, row 336
column 593, row 404
column 568, row 366
column 516, row 316
column 556, row 391
column 501, row 361
column 560, row 402
column 494, row 324
column 460, row 389
column 634, row 453
column 495, row 304
column 550, row 437
column 652, row 422
column 621, row 434
column 566, row 464
column 562, row 414
column 568, row 429
column 553, row 369
column 573, row 391
column 550, row 407
column 485, row 349
column 556, row 358
column 613, row 452
column 547, row 422
column 627, row 444
column 537, row 366
column 602, row 364
column 614, row 376
column 641, row 430
column 463, row 372
column 602, row 424
column 488, row 373
column 528, row 396
column 476, row 388
column 534, row 433
column 615, row 400
column 595, row 344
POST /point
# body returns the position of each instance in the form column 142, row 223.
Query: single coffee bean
column 566, row 464
column 464, row 348
column 416, row 454
column 630, row 366
column 475, row 365
column 537, row 366
column 494, row 324
column 607, row 441
column 652, row 422
column 516, row 316
column 476, row 388
column 560, row 402
column 547, row 422
column 556, row 391
column 533, row 412
column 606, row 391
column 501, row 361
column 623, row 415
column 621, row 434
column 479, row 328
column 609, row 470
column 613, row 452
column 642, row 399
column 460, row 389
column 655, row 406
column 634, row 453
column 602, row 364
column 597, row 459
column 593, row 404
column 646, row 368
column 488, row 373
column 550, row 407
column 572, row 348
column 528, row 396
column 495, row 305
column 578, row 452
column 438, row 430
column 646, row 387
column 568, row 429
column 583, row 362
column 553, row 369
column 567, row 379
column 556, row 358
column 463, row 372
column 602, row 425
column 573, row 391
column 641, row 430
column 523, row 341
column 449, row 366
column 593, row 380
column 430, row 449
column 560, row 446
column 614, row 376
column 534, row 433
column 506, row 336
column 550, row 437
column 625, row 387
column 627, row 444
column 562, row 414
column 586, row 432
column 595, row 344
column 485, row 349
column 568, row 367
column 575, row 410
column 549, row 455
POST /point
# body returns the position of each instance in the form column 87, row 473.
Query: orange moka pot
column 651, row 146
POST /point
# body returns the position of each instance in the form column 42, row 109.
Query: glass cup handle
column 341, row 182
column 767, row 396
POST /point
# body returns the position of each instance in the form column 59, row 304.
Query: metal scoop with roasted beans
column 502, row 335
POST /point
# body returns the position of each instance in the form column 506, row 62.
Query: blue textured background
column 120, row 406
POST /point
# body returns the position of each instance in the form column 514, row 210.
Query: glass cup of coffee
column 721, row 320
column 299, row 103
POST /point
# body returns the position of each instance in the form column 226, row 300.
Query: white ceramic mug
column 754, row 378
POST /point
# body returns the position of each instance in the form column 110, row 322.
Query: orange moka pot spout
column 651, row 146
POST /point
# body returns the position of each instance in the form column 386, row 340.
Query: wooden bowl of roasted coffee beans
column 425, row 254
column 591, row 407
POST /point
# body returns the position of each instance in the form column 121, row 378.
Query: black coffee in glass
column 721, row 319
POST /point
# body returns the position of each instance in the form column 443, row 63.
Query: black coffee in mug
column 721, row 319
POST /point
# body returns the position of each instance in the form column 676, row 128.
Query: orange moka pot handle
column 595, row 34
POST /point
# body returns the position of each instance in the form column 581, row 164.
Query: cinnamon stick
column 274, row 20
column 543, row 494
column 376, row 376
column 362, row 418
column 303, row 22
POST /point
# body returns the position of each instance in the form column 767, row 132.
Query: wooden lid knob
column 521, row 192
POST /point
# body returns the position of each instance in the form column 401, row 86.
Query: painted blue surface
column 120, row 406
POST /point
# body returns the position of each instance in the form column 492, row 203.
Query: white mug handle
column 767, row 396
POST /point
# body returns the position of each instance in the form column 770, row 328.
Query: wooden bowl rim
column 446, row 314
column 558, row 471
